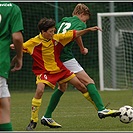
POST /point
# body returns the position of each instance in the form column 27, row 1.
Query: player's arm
column 27, row 47
column 16, row 26
column 18, row 43
column 79, row 41
column 17, row 38
column 71, row 35
column 82, row 32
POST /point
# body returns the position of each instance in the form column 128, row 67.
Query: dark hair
column 45, row 23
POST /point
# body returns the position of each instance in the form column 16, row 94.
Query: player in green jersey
column 11, row 25
column 78, row 21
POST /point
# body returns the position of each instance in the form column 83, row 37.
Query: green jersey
column 10, row 22
column 69, row 23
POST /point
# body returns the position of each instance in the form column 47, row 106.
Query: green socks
column 87, row 96
column 6, row 127
column 55, row 98
column 93, row 92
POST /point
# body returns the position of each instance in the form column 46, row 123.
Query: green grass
column 73, row 112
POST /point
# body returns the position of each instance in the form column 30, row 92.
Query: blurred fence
column 32, row 12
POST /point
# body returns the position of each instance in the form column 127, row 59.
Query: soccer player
column 78, row 21
column 11, row 25
column 45, row 50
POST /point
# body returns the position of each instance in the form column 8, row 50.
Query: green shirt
column 69, row 23
column 10, row 22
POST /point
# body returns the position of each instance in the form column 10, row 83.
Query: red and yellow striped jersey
column 46, row 53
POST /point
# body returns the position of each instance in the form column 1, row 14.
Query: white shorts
column 73, row 65
column 4, row 92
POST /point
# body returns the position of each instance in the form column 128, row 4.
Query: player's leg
column 5, row 123
column 36, row 103
column 62, row 78
column 75, row 67
column 55, row 98
column 95, row 96
column 92, row 94
column 92, row 90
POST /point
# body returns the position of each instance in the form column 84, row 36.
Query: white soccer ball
column 126, row 115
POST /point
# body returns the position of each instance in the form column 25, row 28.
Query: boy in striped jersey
column 45, row 50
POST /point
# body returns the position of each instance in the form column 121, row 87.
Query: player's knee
column 88, row 81
column 62, row 87
column 39, row 90
column 81, row 87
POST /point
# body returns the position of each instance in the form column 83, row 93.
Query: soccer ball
column 126, row 115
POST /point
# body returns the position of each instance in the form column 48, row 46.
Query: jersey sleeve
column 80, row 27
column 16, row 22
column 28, row 46
column 66, row 37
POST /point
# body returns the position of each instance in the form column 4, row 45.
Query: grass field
column 73, row 112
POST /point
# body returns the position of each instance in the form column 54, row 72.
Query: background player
column 11, row 25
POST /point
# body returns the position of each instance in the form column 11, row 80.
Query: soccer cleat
column 108, row 112
column 50, row 123
column 31, row 126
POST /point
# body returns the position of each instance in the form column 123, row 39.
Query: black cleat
column 31, row 126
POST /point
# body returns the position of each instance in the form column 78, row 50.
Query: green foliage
column 73, row 112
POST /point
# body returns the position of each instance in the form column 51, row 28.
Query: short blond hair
column 81, row 8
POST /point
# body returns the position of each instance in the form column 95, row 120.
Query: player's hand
column 16, row 63
column 85, row 51
column 95, row 28
column 12, row 46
